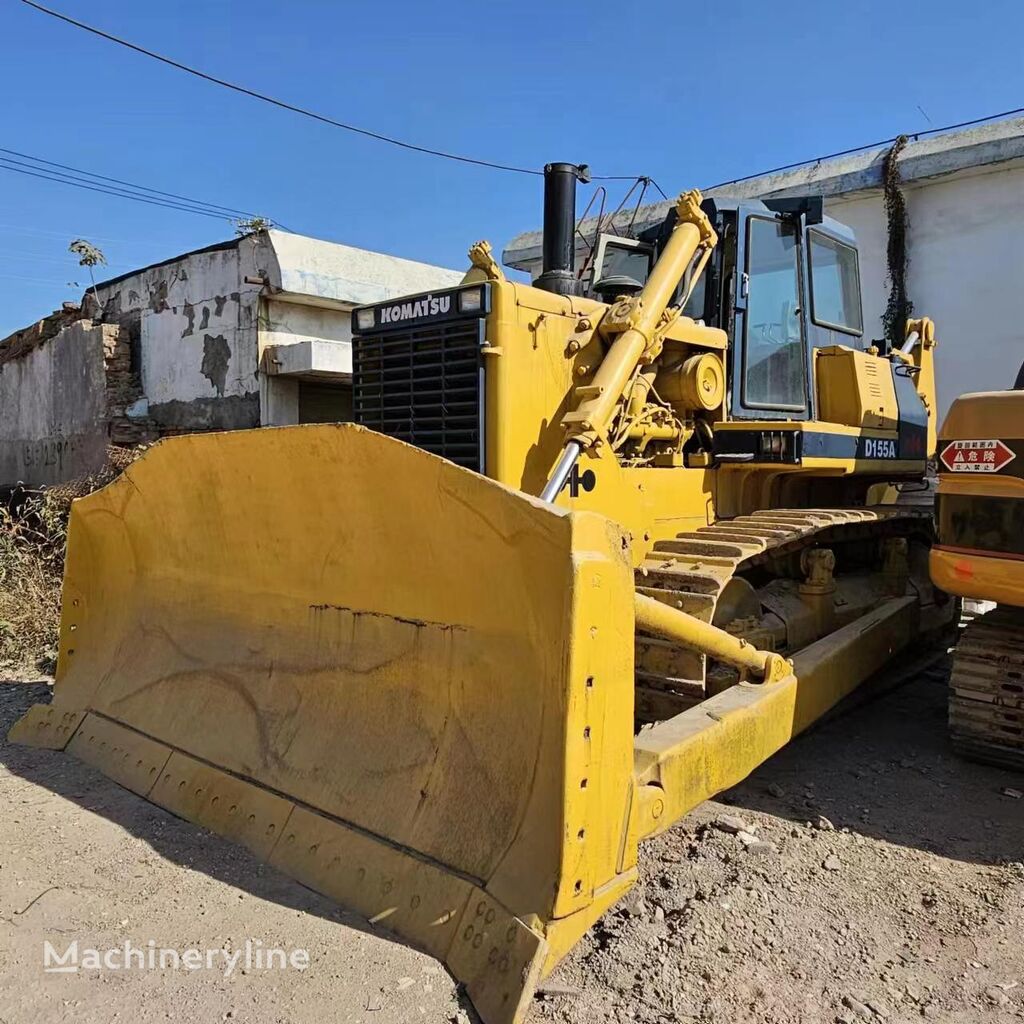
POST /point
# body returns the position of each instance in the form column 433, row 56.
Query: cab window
column 774, row 368
column 835, row 284
column 622, row 256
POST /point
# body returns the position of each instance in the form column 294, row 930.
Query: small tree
column 250, row 225
column 88, row 256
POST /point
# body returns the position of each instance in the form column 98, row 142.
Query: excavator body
column 578, row 566
column 979, row 556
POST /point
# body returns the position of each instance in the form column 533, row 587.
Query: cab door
column 769, row 369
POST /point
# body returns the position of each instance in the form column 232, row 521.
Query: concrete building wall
column 965, row 271
column 203, row 322
column 54, row 423
column 253, row 331
column 193, row 327
column 305, row 324
column 289, row 323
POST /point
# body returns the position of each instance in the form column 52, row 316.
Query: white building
column 255, row 331
column 964, row 194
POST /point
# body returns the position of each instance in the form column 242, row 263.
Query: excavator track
column 986, row 689
column 701, row 573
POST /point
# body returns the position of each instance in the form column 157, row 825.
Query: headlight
column 365, row 319
column 471, row 300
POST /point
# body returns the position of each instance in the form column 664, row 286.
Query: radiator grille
column 424, row 386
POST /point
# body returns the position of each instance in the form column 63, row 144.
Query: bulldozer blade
column 403, row 684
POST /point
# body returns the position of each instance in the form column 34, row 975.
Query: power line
column 130, row 184
column 293, row 108
column 50, row 170
column 380, row 137
column 276, row 102
column 38, row 280
column 43, row 233
column 7, row 165
column 69, row 179
column 67, row 260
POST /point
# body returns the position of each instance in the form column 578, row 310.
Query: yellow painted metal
column 985, row 414
column 688, row 759
column 223, row 803
column 415, row 654
column 992, row 574
column 855, row 388
column 128, row 757
column 697, row 383
column 483, row 265
column 411, row 686
column 415, row 695
column 922, row 357
column 659, row 619
column 982, row 577
column 43, row 726
column 635, row 326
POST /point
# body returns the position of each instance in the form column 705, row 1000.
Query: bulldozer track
column 986, row 689
column 691, row 572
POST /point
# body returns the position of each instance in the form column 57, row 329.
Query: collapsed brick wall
column 21, row 342
column 68, row 385
column 123, row 390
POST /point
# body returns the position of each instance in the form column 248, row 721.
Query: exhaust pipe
column 558, row 273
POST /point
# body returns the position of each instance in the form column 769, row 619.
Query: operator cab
column 783, row 281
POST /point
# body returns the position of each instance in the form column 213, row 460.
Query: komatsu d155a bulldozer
column 979, row 556
column 578, row 566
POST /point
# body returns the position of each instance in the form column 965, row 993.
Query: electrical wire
column 37, row 280
column 460, row 158
column 130, row 184
column 23, row 229
column 305, row 112
column 282, row 104
column 5, row 165
column 38, row 257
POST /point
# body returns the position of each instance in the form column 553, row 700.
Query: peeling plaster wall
column 54, row 425
column 199, row 324
column 195, row 332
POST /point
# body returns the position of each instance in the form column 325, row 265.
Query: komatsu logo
column 879, row 448
column 429, row 305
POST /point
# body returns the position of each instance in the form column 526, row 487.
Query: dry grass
column 33, row 537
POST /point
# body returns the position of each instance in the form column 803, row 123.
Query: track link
column 691, row 572
column 986, row 689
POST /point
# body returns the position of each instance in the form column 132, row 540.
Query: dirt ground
column 875, row 876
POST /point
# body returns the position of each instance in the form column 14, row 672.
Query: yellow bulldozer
column 979, row 556
column 593, row 550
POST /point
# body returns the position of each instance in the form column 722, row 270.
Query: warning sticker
column 976, row 456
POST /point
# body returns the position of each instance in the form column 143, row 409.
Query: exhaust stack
column 558, row 273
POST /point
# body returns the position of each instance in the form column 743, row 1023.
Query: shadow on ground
column 885, row 768
column 178, row 840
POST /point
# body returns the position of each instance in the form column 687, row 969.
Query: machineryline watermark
column 129, row 956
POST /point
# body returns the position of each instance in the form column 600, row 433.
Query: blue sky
column 691, row 94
